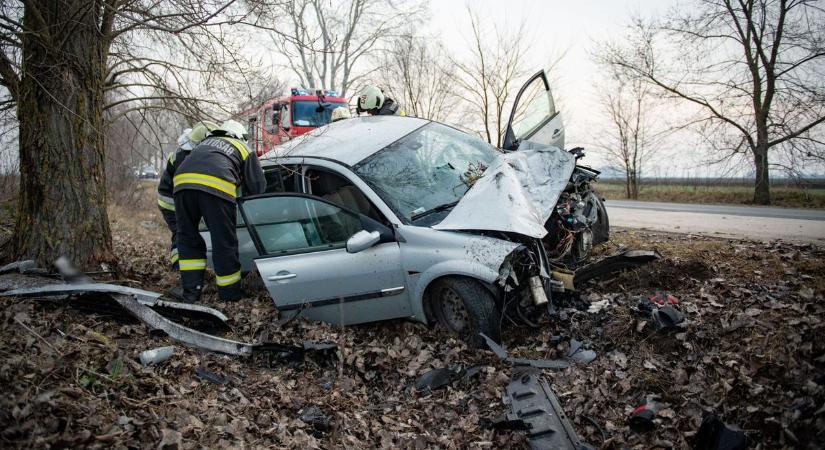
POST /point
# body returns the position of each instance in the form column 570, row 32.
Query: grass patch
column 784, row 196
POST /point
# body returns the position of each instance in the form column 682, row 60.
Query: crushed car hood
column 517, row 193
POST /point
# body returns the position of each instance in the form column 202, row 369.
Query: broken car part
column 666, row 318
column 640, row 419
column 313, row 415
column 714, row 434
column 146, row 307
column 534, row 407
column 442, row 377
column 211, row 377
column 26, row 267
column 194, row 338
column 156, row 355
column 580, row 354
column 615, row 263
column 537, row 363
column 151, row 299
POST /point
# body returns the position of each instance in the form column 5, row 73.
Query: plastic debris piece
column 211, row 377
column 579, row 354
column 666, row 318
column 534, row 407
column 313, row 415
column 714, row 434
column 156, row 355
column 537, row 363
column 641, row 418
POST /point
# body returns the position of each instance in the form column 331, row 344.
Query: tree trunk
column 62, row 204
column 762, row 190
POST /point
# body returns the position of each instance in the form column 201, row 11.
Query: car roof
column 348, row 141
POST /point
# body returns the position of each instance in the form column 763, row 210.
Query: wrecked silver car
column 389, row 217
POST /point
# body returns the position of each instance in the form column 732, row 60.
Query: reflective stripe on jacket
column 219, row 165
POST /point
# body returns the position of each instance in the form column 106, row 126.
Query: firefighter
column 166, row 203
column 340, row 113
column 375, row 103
column 205, row 186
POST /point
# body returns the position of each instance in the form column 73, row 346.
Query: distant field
column 784, row 195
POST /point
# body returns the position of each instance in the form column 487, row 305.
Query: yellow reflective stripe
column 228, row 279
column 239, row 146
column 173, row 256
column 206, row 180
column 192, row 264
column 166, row 205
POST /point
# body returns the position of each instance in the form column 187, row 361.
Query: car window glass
column 268, row 119
column 285, row 116
column 430, row 167
column 307, row 113
column 290, row 224
column 338, row 190
column 533, row 109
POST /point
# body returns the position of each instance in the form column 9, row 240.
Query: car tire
column 465, row 307
column 601, row 229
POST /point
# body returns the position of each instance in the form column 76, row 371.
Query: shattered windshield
column 307, row 113
column 428, row 170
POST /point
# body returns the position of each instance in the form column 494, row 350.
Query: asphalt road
column 729, row 210
column 752, row 222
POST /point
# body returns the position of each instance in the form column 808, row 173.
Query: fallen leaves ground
column 752, row 352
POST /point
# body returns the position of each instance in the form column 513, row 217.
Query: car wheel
column 466, row 308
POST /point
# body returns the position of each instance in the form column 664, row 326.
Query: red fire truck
column 280, row 119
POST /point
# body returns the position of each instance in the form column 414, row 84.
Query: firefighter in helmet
column 373, row 102
column 166, row 203
column 205, row 186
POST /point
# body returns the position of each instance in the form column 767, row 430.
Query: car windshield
column 428, row 170
column 308, row 113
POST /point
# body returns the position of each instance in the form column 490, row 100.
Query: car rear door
column 534, row 116
column 304, row 262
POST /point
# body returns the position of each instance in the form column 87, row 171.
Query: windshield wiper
column 438, row 208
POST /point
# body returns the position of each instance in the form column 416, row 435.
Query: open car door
column 325, row 262
column 534, row 117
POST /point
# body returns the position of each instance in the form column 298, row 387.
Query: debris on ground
column 751, row 352
column 442, row 377
column 535, row 408
column 156, row 355
column 641, row 417
column 714, row 434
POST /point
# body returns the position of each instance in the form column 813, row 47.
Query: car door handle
column 285, row 276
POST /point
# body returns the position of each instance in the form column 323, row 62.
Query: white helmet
column 234, row 129
column 200, row 130
column 370, row 98
column 340, row 113
column 183, row 140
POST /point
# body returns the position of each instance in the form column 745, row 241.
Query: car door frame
column 510, row 142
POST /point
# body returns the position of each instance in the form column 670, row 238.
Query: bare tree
column 634, row 131
column 71, row 67
column 487, row 78
column 416, row 72
column 326, row 42
column 753, row 69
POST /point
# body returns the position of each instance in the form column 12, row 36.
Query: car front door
column 314, row 260
column 534, row 117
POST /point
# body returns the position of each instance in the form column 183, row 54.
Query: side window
column 533, row 109
column 281, row 179
column 285, row 116
column 298, row 224
column 340, row 191
column 268, row 125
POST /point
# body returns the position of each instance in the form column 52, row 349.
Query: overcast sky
column 555, row 27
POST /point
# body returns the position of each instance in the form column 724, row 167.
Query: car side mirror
column 362, row 240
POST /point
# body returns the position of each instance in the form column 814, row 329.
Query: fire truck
column 280, row 119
